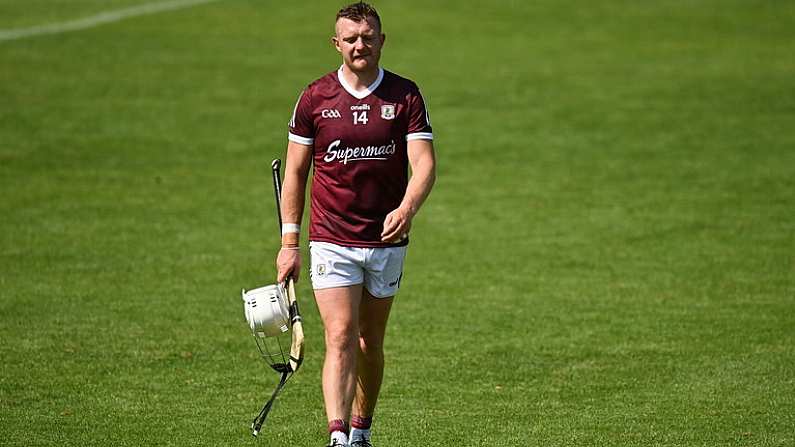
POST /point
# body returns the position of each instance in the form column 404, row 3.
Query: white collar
column 364, row 93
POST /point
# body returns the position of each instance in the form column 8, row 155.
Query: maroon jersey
column 358, row 142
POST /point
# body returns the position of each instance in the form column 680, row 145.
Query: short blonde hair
column 359, row 12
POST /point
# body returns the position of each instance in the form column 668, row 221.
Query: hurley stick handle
column 297, row 324
column 277, row 189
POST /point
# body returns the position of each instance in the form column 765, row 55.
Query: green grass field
column 607, row 258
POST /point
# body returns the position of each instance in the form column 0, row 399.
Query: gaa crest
column 388, row 111
column 321, row 269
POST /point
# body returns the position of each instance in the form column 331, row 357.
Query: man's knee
column 371, row 346
column 342, row 339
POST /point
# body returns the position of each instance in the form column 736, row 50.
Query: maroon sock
column 361, row 423
column 338, row 425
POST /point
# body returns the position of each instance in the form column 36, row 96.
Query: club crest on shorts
column 321, row 269
column 388, row 111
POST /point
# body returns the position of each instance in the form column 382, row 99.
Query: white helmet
column 266, row 310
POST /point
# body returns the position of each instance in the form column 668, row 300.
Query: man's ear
column 336, row 43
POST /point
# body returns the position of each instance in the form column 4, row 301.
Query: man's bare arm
column 423, row 175
column 296, row 172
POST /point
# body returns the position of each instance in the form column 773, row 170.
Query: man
column 361, row 127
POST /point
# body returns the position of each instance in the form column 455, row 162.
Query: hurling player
column 361, row 128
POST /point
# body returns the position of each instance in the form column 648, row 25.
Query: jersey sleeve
column 419, row 121
column 301, row 125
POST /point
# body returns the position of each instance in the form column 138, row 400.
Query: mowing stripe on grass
column 98, row 19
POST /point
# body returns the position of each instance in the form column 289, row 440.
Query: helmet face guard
column 268, row 316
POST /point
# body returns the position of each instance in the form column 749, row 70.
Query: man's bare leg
column 373, row 316
column 339, row 308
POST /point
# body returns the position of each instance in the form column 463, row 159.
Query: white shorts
column 379, row 269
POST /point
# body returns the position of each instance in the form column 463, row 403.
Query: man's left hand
column 396, row 226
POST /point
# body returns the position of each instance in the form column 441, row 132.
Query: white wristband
column 290, row 228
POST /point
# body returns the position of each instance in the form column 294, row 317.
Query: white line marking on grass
column 98, row 19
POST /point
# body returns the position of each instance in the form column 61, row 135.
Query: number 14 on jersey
column 360, row 117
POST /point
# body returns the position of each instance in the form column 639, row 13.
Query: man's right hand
column 288, row 263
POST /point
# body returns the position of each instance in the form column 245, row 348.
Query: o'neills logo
column 344, row 155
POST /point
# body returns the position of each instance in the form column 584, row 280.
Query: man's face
column 359, row 43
